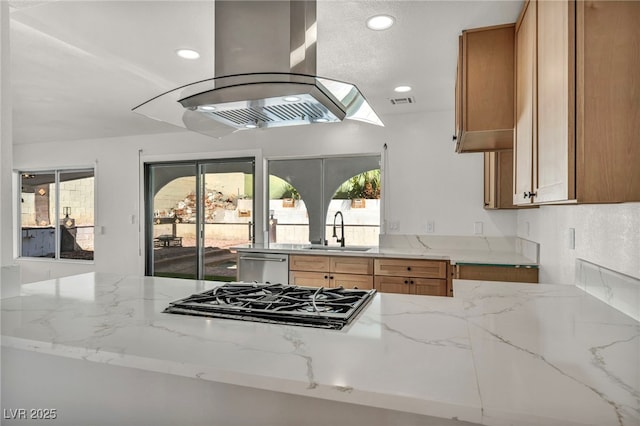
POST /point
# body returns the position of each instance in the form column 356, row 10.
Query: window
column 305, row 195
column 57, row 214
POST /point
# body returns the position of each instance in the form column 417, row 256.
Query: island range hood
column 264, row 76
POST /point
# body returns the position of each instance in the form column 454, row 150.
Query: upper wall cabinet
column 484, row 89
column 498, row 180
column 577, row 136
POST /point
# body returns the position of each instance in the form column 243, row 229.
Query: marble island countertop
column 494, row 354
column 456, row 249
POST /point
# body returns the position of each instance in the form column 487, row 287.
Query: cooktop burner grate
column 277, row 303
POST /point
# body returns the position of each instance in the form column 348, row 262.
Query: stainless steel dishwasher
column 264, row 268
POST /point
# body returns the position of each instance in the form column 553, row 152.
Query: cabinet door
column 525, row 105
column 428, row 287
column 392, row 284
column 309, row 263
column 486, row 85
column 607, row 97
column 309, row 279
column 362, row 282
column 458, row 136
column 489, row 180
column 352, row 265
column 498, row 176
column 554, row 150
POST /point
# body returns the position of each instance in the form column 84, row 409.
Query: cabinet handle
column 326, row 277
column 406, row 281
column 454, row 138
column 330, row 277
column 526, row 195
column 408, row 268
column 411, row 282
column 532, row 194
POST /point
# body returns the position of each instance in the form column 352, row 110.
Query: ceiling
column 78, row 67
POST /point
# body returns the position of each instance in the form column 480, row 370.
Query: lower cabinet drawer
column 309, row 263
column 309, row 279
column 411, row 267
column 411, row 285
column 496, row 273
column 325, row 279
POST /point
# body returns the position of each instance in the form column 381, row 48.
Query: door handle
column 264, row 259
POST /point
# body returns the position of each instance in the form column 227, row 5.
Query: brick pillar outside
column 42, row 205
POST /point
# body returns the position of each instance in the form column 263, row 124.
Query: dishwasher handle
column 264, row 259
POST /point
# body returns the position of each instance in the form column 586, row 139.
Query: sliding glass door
column 195, row 212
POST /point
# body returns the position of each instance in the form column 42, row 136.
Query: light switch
column 571, row 238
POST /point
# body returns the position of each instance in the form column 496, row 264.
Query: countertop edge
column 433, row 408
column 501, row 258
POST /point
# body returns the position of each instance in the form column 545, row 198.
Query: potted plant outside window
column 289, row 196
column 364, row 186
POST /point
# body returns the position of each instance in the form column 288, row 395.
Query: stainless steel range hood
column 265, row 75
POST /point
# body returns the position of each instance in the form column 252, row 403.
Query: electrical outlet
column 431, row 227
column 478, row 228
column 394, row 225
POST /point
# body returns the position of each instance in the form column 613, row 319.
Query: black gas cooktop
column 331, row 308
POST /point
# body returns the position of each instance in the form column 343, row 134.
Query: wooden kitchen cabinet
column 525, row 107
column 511, row 273
column 577, row 90
column 309, row 263
column 412, row 276
column 331, row 271
column 498, row 180
column 485, row 89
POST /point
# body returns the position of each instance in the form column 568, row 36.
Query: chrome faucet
column 341, row 239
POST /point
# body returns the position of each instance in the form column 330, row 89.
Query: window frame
column 56, row 171
column 324, row 197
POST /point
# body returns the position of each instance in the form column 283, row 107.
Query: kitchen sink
column 335, row 248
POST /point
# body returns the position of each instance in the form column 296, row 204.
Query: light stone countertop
column 457, row 249
column 495, row 354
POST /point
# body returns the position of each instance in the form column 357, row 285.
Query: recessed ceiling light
column 402, row 89
column 207, row 108
column 291, row 99
column 251, row 126
column 321, row 120
column 187, row 53
column 380, row 22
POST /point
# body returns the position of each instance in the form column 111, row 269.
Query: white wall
column 6, row 247
column 426, row 180
column 605, row 234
